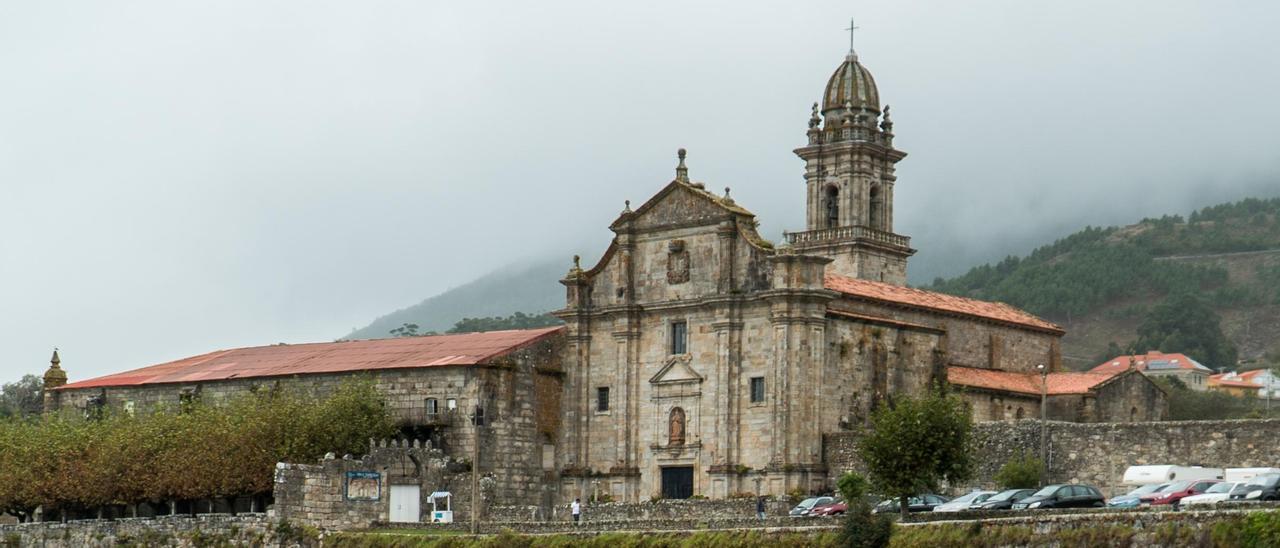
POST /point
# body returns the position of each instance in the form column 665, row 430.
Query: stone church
column 698, row 358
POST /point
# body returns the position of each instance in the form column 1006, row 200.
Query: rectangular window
column 757, row 389
column 679, row 337
column 433, row 406
column 602, row 398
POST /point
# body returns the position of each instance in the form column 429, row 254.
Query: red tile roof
column 1151, row 360
column 919, row 298
column 1239, row 381
column 336, row 357
column 1058, row 384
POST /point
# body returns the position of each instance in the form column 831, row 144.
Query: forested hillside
column 1217, row 268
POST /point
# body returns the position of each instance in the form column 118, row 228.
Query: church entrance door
column 677, row 482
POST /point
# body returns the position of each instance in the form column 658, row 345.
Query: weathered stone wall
column 182, row 532
column 316, row 494
column 1098, row 453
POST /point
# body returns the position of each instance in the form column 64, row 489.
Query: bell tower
column 849, row 179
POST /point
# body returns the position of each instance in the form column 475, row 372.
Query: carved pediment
column 678, row 369
column 680, row 204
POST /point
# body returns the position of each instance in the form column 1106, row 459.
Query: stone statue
column 676, row 427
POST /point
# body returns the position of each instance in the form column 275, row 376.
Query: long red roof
column 1153, row 360
column 1026, row 383
column 919, row 298
column 335, row 357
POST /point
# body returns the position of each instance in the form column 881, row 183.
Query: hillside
column 1100, row 283
column 529, row 288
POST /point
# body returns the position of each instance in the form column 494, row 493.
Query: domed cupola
column 851, row 90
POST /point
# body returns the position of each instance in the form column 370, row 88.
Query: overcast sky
column 179, row 177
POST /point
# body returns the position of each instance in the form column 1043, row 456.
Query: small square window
column 679, row 337
column 602, row 398
column 451, row 404
column 757, row 389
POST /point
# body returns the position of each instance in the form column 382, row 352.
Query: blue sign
column 363, row 486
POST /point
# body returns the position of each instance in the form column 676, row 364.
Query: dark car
column 1062, row 496
column 921, row 503
column 1003, row 500
column 1182, row 489
column 1261, row 488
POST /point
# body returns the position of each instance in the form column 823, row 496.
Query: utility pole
column 477, row 421
column 1044, row 424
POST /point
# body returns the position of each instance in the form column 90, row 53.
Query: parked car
column 963, row 502
column 1063, row 496
column 1182, row 489
column 1218, row 493
column 1133, row 498
column 834, row 509
column 1003, row 500
column 1264, row 487
column 921, row 503
column 807, row 505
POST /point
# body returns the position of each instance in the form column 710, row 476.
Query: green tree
column 405, row 330
column 1184, row 323
column 1021, row 472
column 917, row 442
column 519, row 320
column 22, row 398
column 862, row 528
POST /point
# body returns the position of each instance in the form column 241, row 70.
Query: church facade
column 697, row 358
column 703, row 359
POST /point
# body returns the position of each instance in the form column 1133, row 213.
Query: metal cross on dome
column 851, row 28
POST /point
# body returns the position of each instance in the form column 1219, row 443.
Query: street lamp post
column 1044, row 425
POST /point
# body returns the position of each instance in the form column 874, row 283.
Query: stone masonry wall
column 1098, row 453
column 316, row 494
column 181, row 532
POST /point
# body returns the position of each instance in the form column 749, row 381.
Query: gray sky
column 178, row 177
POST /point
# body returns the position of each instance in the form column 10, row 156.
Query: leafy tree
column 22, row 398
column 1188, row 404
column 862, row 528
column 917, row 442
column 1021, row 472
column 405, row 330
column 1185, row 324
column 519, row 320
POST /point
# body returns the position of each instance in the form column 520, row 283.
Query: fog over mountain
column 181, row 177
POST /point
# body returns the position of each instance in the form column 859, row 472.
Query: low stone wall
column 206, row 530
column 588, row 525
column 1099, row 453
column 659, row 509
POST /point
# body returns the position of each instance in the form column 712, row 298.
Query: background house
column 1158, row 364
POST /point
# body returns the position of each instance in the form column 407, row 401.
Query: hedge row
column 202, row 452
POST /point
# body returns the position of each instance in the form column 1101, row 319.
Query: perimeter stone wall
column 179, row 531
column 1098, row 453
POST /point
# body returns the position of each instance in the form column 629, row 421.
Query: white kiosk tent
column 438, row 515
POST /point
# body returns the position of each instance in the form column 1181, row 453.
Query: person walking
column 576, row 510
column 760, row 508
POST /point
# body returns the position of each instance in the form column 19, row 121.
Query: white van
column 1161, row 473
column 1245, row 475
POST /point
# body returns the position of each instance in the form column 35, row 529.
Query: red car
column 1176, row 492
column 833, row 509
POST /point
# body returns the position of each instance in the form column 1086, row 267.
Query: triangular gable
column 682, row 204
column 677, row 370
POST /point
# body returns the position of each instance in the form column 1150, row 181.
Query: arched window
column 876, row 216
column 832, row 200
column 675, row 427
column 1018, row 415
column 1133, row 414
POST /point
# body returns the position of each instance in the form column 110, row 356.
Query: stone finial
column 814, row 118
column 575, row 271
column 727, row 199
column 55, row 376
column 626, row 207
column 682, row 172
column 887, row 123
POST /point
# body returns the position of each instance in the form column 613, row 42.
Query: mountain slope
column 1100, row 282
column 529, row 288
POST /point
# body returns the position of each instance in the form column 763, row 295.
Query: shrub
column 1021, row 472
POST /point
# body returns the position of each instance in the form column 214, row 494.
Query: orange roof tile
column 1153, row 360
column 941, row 302
column 336, row 357
column 1057, row 384
column 1240, row 381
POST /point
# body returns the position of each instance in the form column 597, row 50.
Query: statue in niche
column 677, row 262
column 675, row 429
